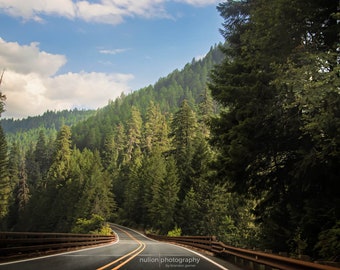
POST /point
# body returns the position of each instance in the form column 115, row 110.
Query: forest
column 243, row 144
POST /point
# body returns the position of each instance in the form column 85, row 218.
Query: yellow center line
column 133, row 253
column 132, row 257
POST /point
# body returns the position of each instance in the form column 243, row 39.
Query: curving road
column 132, row 251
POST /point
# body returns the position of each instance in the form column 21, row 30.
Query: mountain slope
column 169, row 92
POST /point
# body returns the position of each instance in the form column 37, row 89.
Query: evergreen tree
column 156, row 129
column 5, row 186
column 129, row 171
column 169, row 196
column 56, row 186
column 58, row 172
column 110, row 153
column 14, row 163
column 93, row 186
column 153, row 177
column 183, row 131
column 134, row 136
column 42, row 154
column 270, row 126
column 21, row 194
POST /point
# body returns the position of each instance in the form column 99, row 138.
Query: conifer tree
column 183, row 132
column 42, row 153
column 14, row 163
column 169, row 196
column 131, row 163
column 20, row 200
column 275, row 136
column 134, row 136
column 156, row 129
column 5, row 187
column 153, row 177
column 58, row 172
column 23, row 194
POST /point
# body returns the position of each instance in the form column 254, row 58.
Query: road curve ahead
column 132, row 251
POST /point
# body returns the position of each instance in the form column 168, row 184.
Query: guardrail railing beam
column 252, row 259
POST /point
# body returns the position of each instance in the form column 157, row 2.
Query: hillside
column 168, row 92
column 188, row 83
column 48, row 120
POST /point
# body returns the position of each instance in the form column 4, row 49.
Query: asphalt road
column 132, row 251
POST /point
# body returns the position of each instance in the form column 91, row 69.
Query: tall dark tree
column 58, row 172
column 183, row 132
column 267, row 131
column 42, row 153
column 5, row 187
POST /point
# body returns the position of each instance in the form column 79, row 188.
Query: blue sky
column 62, row 54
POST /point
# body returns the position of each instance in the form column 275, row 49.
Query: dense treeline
column 49, row 120
column 25, row 132
column 251, row 155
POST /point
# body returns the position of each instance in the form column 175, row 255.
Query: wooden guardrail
column 13, row 244
column 249, row 259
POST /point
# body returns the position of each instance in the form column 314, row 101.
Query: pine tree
column 41, row 153
column 129, row 170
column 110, row 153
column 274, row 133
column 134, row 136
column 14, row 163
column 58, row 172
column 153, row 173
column 5, row 187
column 169, row 196
column 183, row 132
column 156, row 129
column 23, row 194
column 20, row 200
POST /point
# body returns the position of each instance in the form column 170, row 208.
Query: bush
column 175, row 232
column 95, row 225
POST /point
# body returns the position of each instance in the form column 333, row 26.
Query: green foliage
column 184, row 129
column 2, row 100
column 278, row 132
column 329, row 244
column 95, row 225
column 49, row 120
column 175, row 232
column 5, row 187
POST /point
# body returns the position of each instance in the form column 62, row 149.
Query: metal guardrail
column 250, row 259
column 14, row 244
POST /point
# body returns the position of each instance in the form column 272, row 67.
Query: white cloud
column 28, row 58
column 199, row 2
column 113, row 52
column 32, row 9
column 31, row 86
column 102, row 11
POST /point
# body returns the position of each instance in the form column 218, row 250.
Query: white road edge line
column 61, row 254
column 206, row 258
